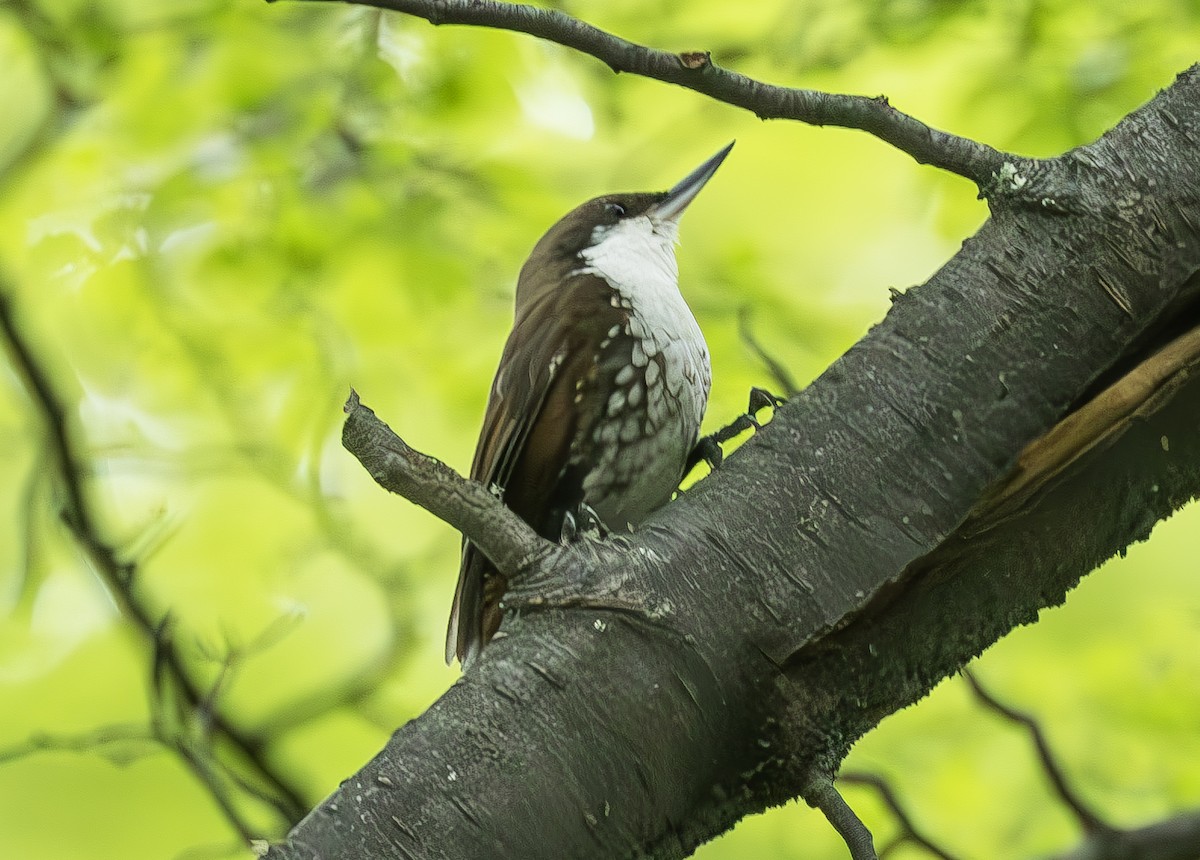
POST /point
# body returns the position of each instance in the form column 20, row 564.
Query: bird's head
column 619, row 232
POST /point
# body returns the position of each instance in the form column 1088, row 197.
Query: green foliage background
column 218, row 215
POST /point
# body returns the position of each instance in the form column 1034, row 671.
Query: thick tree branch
column 1141, row 468
column 500, row 534
column 695, row 70
column 1134, row 395
column 827, row 575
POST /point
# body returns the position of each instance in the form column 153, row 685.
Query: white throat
column 637, row 257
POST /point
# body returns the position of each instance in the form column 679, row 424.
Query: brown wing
column 525, row 444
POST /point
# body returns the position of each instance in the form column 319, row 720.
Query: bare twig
column 500, row 534
column 1088, row 820
column 120, row 576
column 201, row 764
column 234, row 656
column 696, row 71
column 121, row 735
column 1172, row 838
column 823, row 794
column 779, row 372
column 908, row 830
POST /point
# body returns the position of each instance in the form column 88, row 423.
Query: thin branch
column 1088, row 820
column 500, row 534
column 200, row 763
column 119, row 575
column 823, row 794
column 187, row 733
column 696, row 71
column 93, row 741
column 778, row 370
column 1172, row 838
column 909, row 831
column 123, row 735
column 235, row 657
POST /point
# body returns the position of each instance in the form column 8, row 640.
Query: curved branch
column 501, row 535
column 822, row 794
column 696, row 71
column 119, row 575
column 908, row 830
column 1172, row 838
column 1088, row 819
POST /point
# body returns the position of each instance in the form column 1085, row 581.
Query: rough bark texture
column 831, row 572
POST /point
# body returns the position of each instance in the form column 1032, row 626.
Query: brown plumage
column 600, row 388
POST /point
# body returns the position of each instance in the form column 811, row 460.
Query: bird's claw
column 708, row 448
column 582, row 521
column 760, row 399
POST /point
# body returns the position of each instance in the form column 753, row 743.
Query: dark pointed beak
column 677, row 199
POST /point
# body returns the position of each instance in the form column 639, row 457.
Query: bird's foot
column 583, row 521
column 708, row 448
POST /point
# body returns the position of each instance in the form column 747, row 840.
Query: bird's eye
column 615, row 209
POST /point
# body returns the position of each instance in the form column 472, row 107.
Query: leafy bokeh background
column 217, row 215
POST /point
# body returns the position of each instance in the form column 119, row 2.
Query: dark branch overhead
column 695, row 70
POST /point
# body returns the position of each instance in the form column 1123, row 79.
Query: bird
column 597, row 401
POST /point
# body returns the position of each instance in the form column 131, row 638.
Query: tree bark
column 868, row 542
